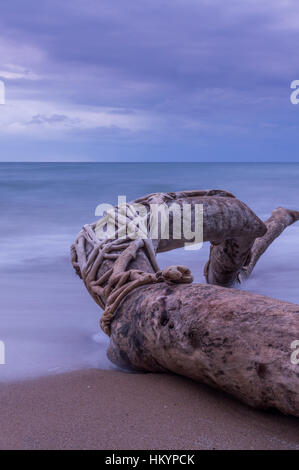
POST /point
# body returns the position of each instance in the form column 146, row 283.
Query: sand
column 96, row 409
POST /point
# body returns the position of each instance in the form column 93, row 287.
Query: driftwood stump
column 233, row 340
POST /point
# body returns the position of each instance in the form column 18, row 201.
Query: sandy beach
column 96, row 409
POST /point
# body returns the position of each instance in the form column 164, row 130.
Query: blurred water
column 48, row 321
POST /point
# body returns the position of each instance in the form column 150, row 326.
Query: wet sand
column 96, row 409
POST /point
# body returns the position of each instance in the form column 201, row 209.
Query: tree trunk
column 276, row 224
column 233, row 340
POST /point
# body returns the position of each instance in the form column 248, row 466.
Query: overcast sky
column 149, row 80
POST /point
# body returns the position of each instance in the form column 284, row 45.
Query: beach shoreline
column 114, row 410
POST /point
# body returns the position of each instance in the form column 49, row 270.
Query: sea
column 48, row 322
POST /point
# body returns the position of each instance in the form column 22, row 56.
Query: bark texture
column 233, row 340
column 280, row 219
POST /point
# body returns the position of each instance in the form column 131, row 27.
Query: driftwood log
column 230, row 339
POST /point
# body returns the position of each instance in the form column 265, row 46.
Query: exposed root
column 238, row 239
column 280, row 219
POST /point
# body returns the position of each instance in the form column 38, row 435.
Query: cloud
column 44, row 120
column 14, row 73
column 148, row 71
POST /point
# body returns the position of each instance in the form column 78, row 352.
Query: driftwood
column 233, row 340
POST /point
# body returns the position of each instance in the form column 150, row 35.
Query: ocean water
column 48, row 321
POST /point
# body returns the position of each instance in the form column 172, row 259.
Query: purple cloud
column 191, row 71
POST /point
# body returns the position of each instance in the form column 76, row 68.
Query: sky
column 149, row 80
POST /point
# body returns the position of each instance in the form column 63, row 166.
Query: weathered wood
column 279, row 220
column 233, row 340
